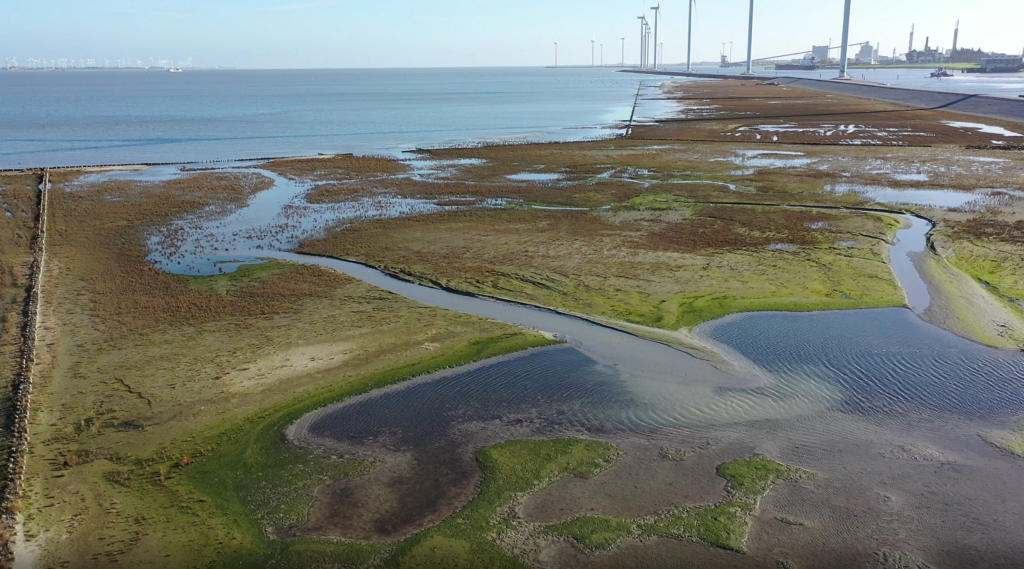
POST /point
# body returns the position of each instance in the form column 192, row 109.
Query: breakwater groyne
column 987, row 106
column 21, row 390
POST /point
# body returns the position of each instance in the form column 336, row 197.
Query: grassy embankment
column 161, row 399
column 725, row 524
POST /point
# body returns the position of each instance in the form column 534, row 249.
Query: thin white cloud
column 160, row 13
column 294, row 7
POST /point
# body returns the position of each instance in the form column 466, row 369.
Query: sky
column 273, row 34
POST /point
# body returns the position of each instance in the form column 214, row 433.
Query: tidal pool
column 944, row 199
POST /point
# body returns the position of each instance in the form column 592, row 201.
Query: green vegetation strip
column 725, row 525
column 1011, row 443
column 247, row 486
column 235, row 281
column 511, row 470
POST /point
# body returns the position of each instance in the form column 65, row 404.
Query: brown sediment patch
column 338, row 167
column 918, row 452
column 888, row 559
column 287, row 364
column 751, row 111
column 402, row 495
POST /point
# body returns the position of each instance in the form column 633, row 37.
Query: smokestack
column 911, row 48
column 956, row 34
column 927, row 40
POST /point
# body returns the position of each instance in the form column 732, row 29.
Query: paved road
column 988, row 106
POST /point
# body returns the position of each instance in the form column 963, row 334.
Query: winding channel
column 885, row 365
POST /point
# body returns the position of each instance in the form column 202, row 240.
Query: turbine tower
column 843, row 62
column 623, row 63
column 689, row 38
column 591, row 53
column 657, row 11
column 643, row 39
column 750, row 42
column 647, row 44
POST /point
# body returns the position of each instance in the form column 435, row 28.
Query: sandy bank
column 960, row 305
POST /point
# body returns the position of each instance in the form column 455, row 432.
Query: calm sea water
column 107, row 117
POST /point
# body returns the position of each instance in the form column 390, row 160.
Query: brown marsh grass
column 589, row 195
column 725, row 228
column 336, row 168
column 989, row 227
column 137, row 363
column 18, row 212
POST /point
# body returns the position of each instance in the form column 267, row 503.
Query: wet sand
column 871, row 495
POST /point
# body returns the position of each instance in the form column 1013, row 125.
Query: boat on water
column 941, row 73
column 175, row 70
column 806, row 64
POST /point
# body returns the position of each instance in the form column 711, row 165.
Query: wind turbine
column 591, row 53
column 602, row 55
column 846, row 43
column 623, row 64
column 750, row 42
column 657, row 11
column 556, row 53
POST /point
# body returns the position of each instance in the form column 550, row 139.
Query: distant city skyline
column 456, row 33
